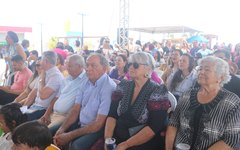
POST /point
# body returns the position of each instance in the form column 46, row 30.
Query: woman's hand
column 122, row 146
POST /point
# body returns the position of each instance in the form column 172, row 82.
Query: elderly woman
column 153, row 74
column 138, row 113
column 207, row 117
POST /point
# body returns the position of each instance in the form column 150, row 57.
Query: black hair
column 198, row 55
column 225, row 52
column 33, row 134
column 60, row 45
column 35, row 74
column 77, row 43
column 13, row 115
column 25, row 43
column 124, row 58
column 138, row 42
column 60, row 58
column 12, row 35
column 177, row 77
column 17, row 58
column 34, row 52
column 101, row 41
column 158, row 56
column 180, row 53
column 128, row 53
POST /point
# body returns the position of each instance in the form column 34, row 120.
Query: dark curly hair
column 13, row 115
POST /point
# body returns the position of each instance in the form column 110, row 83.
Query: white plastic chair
column 173, row 102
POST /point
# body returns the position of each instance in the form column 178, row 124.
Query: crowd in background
column 150, row 96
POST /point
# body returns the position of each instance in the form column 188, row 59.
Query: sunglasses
column 135, row 65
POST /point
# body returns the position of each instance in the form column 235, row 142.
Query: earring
column 147, row 75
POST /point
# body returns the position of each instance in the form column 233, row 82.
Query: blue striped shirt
column 68, row 93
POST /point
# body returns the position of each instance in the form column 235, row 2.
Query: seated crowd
column 77, row 101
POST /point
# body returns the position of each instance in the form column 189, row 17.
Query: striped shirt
column 68, row 92
column 219, row 120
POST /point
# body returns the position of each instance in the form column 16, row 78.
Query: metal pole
column 41, row 38
column 82, row 28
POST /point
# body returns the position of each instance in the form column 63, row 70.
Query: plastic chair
column 173, row 102
column 52, row 147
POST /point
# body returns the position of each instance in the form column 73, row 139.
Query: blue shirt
column 68, row 92
column 95, row 99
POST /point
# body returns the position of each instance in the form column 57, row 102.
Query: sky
column 101, row 16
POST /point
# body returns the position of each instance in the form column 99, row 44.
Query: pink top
column 21, row 79
column 154, row 77
column 61, row 52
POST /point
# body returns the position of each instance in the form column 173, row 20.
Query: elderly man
column 61, row 105
column 9, row 93
column 91, row 107
column 49, row 84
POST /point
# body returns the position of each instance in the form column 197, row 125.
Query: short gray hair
column 221, row 68
column 152, row 61
column 103, row 61
column 51, row 56
column 141, row 57
column 77, row 59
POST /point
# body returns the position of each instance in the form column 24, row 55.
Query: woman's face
column 38, row 67
column 137, row 70
column 184, row 63
column 119, row 62
column 3, row 125
column 206, row 74
column 175, row 56
column 9, row 40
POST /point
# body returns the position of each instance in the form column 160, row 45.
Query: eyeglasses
column 135, row 65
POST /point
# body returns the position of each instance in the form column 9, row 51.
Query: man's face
column 73, row 68
column 17, row 66
column 204, row 45
column 94, row 69
column 32, row 56
column 195, row 44
column 43, row 63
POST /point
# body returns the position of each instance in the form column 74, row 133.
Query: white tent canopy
column 165, row 29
